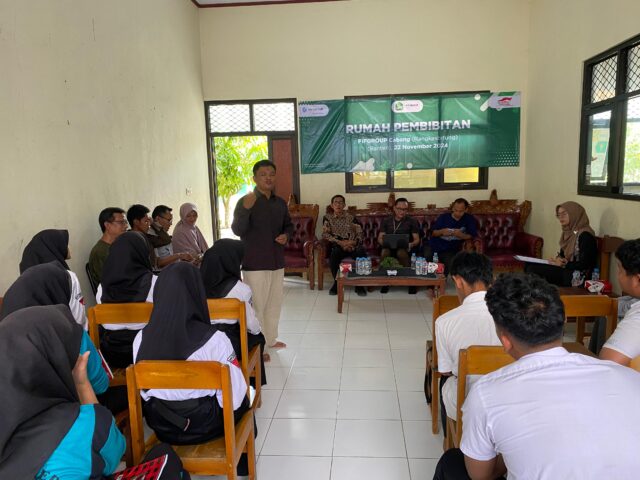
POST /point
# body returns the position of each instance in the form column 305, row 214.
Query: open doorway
column 235, row 157
column 239, row 133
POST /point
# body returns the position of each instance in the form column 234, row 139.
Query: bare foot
column 279, row 345
column 266, row 357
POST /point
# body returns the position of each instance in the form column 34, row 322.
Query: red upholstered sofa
column 500, row 232
column 299, row 250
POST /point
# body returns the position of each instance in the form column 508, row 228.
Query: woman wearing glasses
column 578, row 249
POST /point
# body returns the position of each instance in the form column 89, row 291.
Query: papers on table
column 522, row 258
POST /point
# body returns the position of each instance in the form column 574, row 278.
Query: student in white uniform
column 220, row 269
column 624, row 344
column 180, row 329
column 469, row 324
column 53, row 246
column 126, row 278
column 551, row 414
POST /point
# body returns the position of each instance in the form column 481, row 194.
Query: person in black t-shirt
column 399, row 223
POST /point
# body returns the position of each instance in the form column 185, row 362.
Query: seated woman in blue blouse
column 49, row 410
column 52, row 427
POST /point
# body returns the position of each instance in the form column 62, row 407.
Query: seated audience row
column 546, row 428
column 186, row 244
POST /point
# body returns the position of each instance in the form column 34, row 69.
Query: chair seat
column 208, row 458
column 295, row 261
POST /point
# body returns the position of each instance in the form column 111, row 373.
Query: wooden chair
column 299, row 252
column 608, row 245
column 480, row 360
column 234, row 309
column 475, row 360
column 92, row 281
column 116, row 313
column 217, row 457
column 581, row 306
column 441, row 305
column 635, row 363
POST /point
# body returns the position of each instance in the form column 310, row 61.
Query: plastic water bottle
column 369, row 266
column 576, row 279
column 419, row 262
column 358, row 266
column 595, row 276
column 413, row 261
column 435, row 257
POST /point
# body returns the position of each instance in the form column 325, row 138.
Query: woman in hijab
column 220, row 271
column 52, row 426
column 49, row 284
column 46, row 246
column 578, row 248
column 126, row 278
column 53, row 246
column 179, row 329
column 186, row 236
column 49, row 410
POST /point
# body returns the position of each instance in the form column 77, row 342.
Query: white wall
column 328, row 50
column 563, row 35
column 100, row 105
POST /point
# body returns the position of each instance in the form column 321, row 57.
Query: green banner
column 411, row 132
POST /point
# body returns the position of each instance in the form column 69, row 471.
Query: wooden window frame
column 481, row 184
column 618, row 107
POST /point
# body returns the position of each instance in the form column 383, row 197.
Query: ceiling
column 238, row 3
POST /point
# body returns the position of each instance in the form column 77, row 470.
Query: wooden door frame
column 293, row 135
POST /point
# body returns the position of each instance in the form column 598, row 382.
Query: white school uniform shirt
column 218, row 349
column 556, row 415
column 626, row 338
column 76, row 302
column 242, row 292
column 469, row 324
column 127, row 326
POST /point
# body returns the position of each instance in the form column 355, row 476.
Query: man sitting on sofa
column 399, row 224
column 449, row 233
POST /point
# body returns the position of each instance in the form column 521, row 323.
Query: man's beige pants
column 267, row 287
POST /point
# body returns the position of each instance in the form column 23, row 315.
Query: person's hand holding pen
column 558, row 261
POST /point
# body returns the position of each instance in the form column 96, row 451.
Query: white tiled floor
column 345, row 399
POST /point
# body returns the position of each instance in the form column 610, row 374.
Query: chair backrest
column 233, row 309
column 170, row 374
column 476, row 360
column 116, row 313
column 442, row 305
column 92, row 281
column 607, row 245
column 592, row 306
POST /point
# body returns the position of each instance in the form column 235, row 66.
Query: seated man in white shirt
column 469, row 324
column 551, row 414
column 624, row 344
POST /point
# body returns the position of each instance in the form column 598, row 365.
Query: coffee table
column 406, row 277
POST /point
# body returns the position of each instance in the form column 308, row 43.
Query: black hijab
column 179, row 323
column 126, row 276
column 45, row 284
column 221, row 267
column 39, row 347
column 44, row 247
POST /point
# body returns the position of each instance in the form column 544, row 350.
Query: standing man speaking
column 261, row 220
